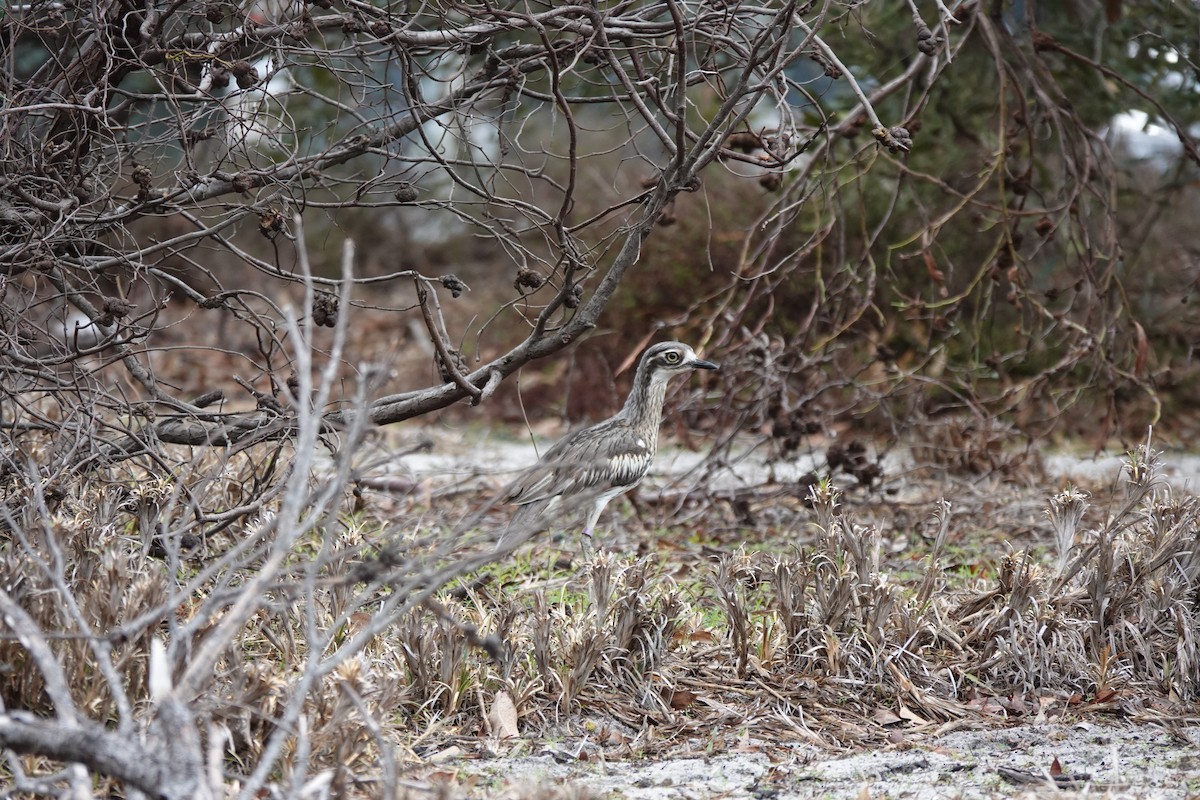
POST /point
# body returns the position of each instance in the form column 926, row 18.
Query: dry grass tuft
column 382, row 646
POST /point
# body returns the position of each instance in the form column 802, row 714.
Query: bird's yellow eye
column 672, row 357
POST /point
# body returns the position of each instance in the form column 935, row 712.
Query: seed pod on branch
column 325, row 309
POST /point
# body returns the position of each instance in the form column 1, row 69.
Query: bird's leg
column 587, row 544
column 634, row 501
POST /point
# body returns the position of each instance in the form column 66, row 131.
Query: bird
column 600, row 462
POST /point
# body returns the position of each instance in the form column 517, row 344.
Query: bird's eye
column 672, row 357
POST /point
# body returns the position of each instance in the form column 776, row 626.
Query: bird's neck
column 643, row 408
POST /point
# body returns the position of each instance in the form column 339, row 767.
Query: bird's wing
column 595, row 458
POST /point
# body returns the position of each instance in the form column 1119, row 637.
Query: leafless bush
column 154, row 636
column 152, row 170
column 220, row 124
column 986, row 278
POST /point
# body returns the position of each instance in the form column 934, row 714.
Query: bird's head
column 666, row 359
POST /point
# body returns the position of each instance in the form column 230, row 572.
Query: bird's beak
column 700, row 363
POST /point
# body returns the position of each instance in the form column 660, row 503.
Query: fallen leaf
column 682, row 698
column 612, row 738
column 696, row 635
column 1055, row 768
column 503, row 716
column 885, row 716
column 908, row 714
column 453, row 751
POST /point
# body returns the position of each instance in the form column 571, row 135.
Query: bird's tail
column 528, row 520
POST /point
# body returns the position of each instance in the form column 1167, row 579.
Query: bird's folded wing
column 583, row 464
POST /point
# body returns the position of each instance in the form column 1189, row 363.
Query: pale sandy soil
column 1097, row 760
column 480, row 457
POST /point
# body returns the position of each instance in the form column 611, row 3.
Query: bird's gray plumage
column 595, row 464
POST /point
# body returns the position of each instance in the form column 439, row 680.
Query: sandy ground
column 1098, row 761
column 453, row 456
